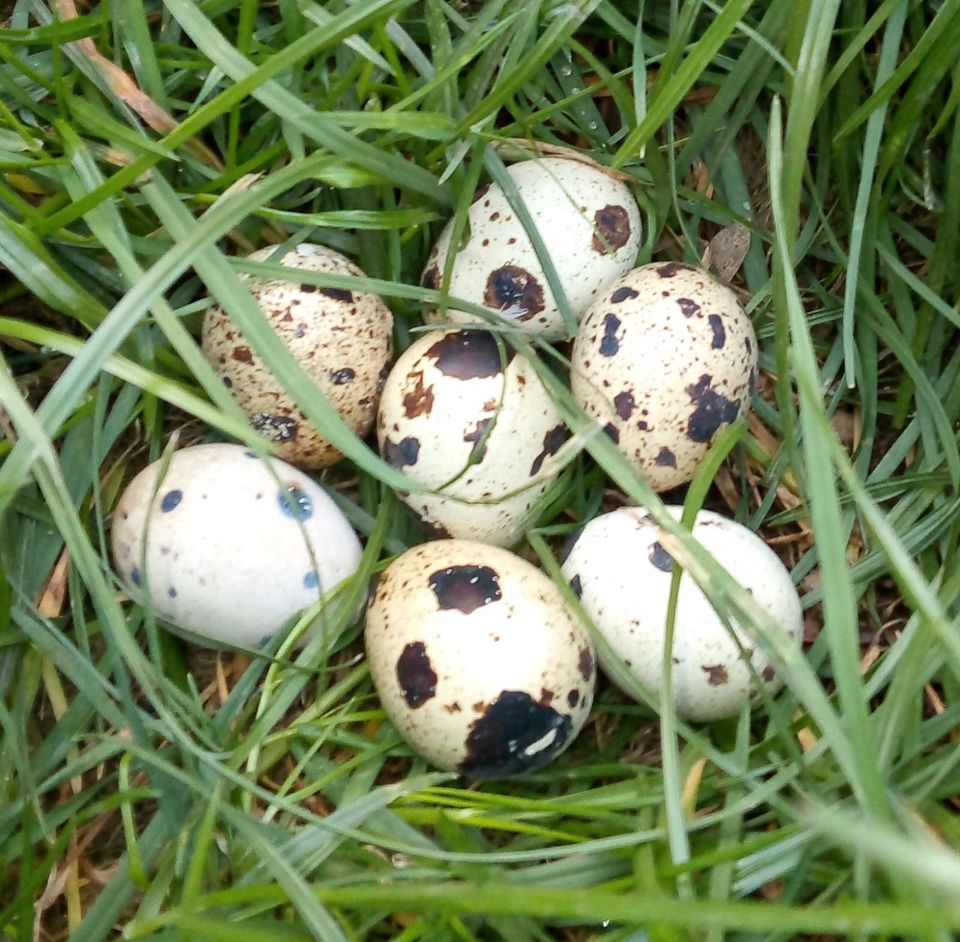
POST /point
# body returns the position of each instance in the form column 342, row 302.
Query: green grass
column 152, row 788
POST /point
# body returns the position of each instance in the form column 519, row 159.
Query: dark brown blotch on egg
column 665, row 458
column 719, row 334
column 611, row 229
column 659, row 557
column 712, row 410
column 403, row 453
column 716, row 674
column 415, row 674
column 511, row 737
column 465, row 588
column 417, row 396
column 669, row 269
column 552, row 441
column 276, row 427
column 623, row 294
column 609, row 342
column 342, row 376
column 513, row 287
column 624, row 403
column 431, row 278
column 612, row 432
column 469, row 354
column 585, row 663
column 338, row 294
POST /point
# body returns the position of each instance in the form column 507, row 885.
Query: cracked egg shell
column 228, row 546
column 341, row 338
column 621, row 573
column 484, row 436
column 664, row 358
column 589, row 223
column 478, row 661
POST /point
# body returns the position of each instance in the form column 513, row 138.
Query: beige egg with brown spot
column 477, row 659
column 341, row 338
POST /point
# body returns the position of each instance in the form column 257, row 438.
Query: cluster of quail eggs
column 477, row 657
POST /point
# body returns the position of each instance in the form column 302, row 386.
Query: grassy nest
column 809, row 153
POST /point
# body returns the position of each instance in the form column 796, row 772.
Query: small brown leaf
column 726, row 251
column 52, row 596
column 127, row 90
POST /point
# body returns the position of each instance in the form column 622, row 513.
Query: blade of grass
column 679, row 82
column 317, row 126
column 596, row 907
column 859, row 226
column 839, row 604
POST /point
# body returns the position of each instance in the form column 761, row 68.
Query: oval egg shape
column 465, row 416
column 590, row 226
column 477, row 660
column 341, row 338
column 622, row 574
column 228, row 546
column 665, row 358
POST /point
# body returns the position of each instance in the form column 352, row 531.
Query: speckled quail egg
column 465, row 416
column 341, row 338
column 228, row 546
column 664, row 358
column 622, row 573
column 589, row 223
column 477, row 660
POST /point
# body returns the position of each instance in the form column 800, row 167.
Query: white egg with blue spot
column 227, row 546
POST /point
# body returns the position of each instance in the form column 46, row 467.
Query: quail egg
column 463, row 415
column 590, row 226
column 622, row 573
column 228, row 546
column 341, row 338
column 477, row 660
column 664, row 358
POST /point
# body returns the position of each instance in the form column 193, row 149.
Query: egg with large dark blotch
column 477, row 659
column 228, row 546
column 587, row 220
column 469, row 418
